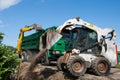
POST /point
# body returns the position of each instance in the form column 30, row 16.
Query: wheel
column 23, row 57
column 101, row 66
column 76, row 66
column 27, row 55
column 60, row 65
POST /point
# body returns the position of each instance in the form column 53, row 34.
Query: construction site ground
column 42, row 72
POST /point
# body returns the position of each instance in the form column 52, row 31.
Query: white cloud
column 4, row 4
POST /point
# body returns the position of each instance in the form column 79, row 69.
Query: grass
column 118, row 66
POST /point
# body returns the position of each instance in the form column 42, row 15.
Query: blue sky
column 15, row 14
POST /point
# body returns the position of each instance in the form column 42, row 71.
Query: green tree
column 8, row 60
column 1, row 37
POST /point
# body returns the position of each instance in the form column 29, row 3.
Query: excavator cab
column 80, row 38
column 83, row 39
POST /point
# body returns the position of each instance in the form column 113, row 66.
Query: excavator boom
column 21, row 35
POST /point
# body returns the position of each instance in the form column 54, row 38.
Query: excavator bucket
column 48, row 39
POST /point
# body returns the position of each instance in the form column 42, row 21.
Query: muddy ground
column 42, row 72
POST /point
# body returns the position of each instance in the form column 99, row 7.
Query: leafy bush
column 8, row 62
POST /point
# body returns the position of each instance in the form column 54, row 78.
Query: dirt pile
column 35, row 71
column 39, row 73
